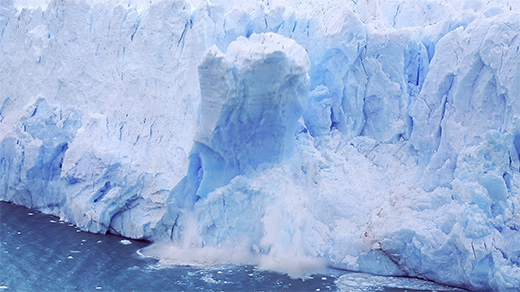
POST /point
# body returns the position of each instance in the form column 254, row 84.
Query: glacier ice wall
column 400, row 155
column 251, row 100
column 94, row 76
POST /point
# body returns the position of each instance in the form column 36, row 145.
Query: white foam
column 208, row 256
column 295, row 267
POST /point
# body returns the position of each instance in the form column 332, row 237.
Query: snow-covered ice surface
column 374, row 136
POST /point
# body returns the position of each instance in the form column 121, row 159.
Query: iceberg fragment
column 251, row 100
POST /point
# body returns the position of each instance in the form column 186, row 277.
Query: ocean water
column 39, row 252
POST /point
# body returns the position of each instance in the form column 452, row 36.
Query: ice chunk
column 125, row 242
column 252, row 98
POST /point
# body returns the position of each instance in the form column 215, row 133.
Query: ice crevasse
column 375, row 136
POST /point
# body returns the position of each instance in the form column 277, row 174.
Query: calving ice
column 375, row 136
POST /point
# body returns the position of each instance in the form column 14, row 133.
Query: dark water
column 40, row 253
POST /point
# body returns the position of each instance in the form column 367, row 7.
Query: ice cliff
column 376, row 136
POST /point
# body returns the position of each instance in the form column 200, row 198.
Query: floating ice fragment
column 98, row 287
column 126, row 242
column 209, row 279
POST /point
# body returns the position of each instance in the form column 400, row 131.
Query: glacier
column 373, row 136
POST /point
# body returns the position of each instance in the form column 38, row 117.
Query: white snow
column 375, row 136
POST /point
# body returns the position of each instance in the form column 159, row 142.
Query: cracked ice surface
column 395, row 142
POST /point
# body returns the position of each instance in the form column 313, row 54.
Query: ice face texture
column 251, row 100
column 399, row 155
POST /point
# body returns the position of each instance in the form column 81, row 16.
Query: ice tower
column 251, row 100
